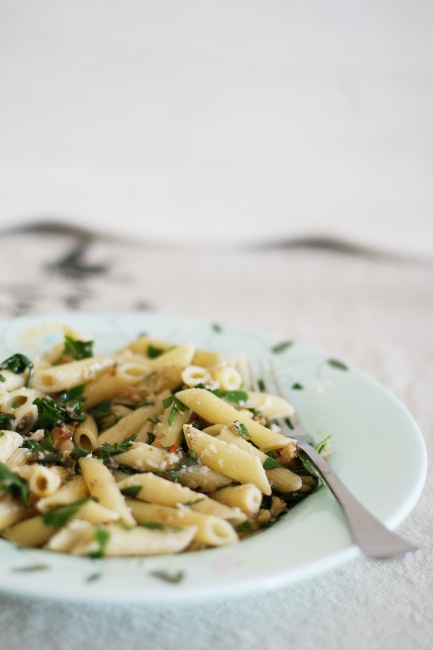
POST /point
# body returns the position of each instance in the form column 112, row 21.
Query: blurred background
column 220, row 121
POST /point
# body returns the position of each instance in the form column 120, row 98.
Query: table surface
column 375, row 313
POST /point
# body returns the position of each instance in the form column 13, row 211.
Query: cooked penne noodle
column 86, row 434
column 138, row 453
column 139, row 541
column 9, row 442
column 19, row 458
column 130, row 424
column 206, row 358
column 228, row 459
column 270, row 406
column 12, row 381
column 247, row 497
column 284, row 480
column 76, row 531
column 31, row 532
column 104, row 488
column 227, row 377
column 211, row 530
column 216, row 411
column 171, row 434
column 202, row 477
column 182, row 356
column 11, row 511
column 110, row 381
column 74, row 490
column 144, row 457
column 43, row 481
column 25, row 418
column 68, row 375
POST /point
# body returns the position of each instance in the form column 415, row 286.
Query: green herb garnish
column 18, row 363
column 131, row 491
column 245, row 527
column 101, row 410
column 236, row 396
column 281, row 347
column 150, row 438
column 78, row 349
column 43, row 452
column 176, row 408
column 297, row 386
column 174, row 578
column 106, row 450
column 271, row 463
column 2, row 378
column 101, row 537
column 217, row 328
column 337, row 364
column 323, row 444
column 13, row 484
column 60, row 515
column 153, row 420
column 153, row 351
column 5, row 421
column 49, row 416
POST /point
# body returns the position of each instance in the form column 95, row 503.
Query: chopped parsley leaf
column 236, row 396
column 75, row 393
column 78, row 452
column 13, row 483
column 174, row 578
column 177, row 406
column 101, row 410
column 281, row 347
column 49, row 416
column 297, row 386
column 5, row 421
column 101, row 537
column 15, row 405
column 2, row 378
column 106, row 450
column 43, row 452
column 60, row 515
column 271, row 463
column 18, row 363
column 154, row 525
column 217, row 328
column 150, row 438
column 337, row 364
column 323, row 445
column 173, row 473
column 78, row 349
column 153, row 420
column 153, row 351
column 245, row 527
column 131, row 490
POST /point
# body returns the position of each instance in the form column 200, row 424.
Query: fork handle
column 372, row 537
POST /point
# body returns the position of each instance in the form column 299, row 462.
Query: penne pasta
column 156, row 449
column 211, row 530
column 216, row 411
column 228, row 459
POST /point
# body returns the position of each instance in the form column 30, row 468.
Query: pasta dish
column 156, row 449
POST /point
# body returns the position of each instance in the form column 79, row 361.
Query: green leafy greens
column 13, row 484
column 18, row 363
column 78, row 349
column 60, row 515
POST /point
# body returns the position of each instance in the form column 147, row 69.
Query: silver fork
column 372, row 537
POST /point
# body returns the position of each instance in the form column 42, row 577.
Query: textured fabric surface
column 375, row 314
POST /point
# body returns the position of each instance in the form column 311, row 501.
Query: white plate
column 379, row 454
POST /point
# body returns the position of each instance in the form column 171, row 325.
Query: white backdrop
column 220, row 120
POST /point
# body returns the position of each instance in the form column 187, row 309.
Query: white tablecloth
column 374, row 313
